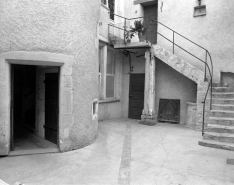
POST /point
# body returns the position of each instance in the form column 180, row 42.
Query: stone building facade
column 82, row 43
column 52, row 34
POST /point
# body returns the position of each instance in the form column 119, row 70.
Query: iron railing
column 207, row 67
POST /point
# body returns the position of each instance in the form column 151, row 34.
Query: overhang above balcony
column 134, row 45
column 145, row 2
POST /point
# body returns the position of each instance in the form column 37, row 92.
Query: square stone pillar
column 148, row 116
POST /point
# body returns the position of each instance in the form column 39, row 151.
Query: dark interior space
column 23, row 123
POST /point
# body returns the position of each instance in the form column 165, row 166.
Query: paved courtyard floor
column 127, row 153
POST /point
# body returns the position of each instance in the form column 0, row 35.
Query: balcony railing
column 119, row 34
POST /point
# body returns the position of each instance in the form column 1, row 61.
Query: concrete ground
column 127, row 153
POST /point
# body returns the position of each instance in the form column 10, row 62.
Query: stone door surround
column 65, row 63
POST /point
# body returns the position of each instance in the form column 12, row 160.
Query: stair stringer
column 179, row 64
column 191, row 72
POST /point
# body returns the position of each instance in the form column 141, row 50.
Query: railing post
column 125, row 29
column 205, row 79
column 211, row 91
column 173, row 42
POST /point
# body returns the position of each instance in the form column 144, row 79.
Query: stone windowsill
column 109, row 101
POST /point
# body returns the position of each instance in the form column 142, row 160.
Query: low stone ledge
column 148, row 120
column 108, row 101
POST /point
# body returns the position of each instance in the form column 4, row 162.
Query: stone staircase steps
column 216, row 144
column 222, row 101
column 220, row 128
column 225, row 95
column 221, row 121
column 222, row 113
column 214, row 84
column 227, row 107
column 223, row 89
column 221, row 137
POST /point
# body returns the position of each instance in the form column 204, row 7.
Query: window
column 112, row 8
column 110, row 75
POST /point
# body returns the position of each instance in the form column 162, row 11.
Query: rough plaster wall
column 138, row 67
column 67, row 27
column 112, row 110
column 108, row 111
column 104, row 21
column 40, row 98
column 170, row 84
column 213, row 31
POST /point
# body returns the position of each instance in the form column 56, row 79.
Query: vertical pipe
column 211, row 91
column 125, row 31
column 147, row 20
column 173, row 42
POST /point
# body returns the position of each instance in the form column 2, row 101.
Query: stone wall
column 214, row 31
column 61, row 27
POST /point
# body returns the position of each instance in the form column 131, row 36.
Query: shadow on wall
column 170, row 84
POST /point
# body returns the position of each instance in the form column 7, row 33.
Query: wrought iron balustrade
column 120, row 32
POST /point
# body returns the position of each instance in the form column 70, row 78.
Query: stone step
column 226, row 95
column 223, row 89
column 221, row 137
column 222, row 113
column 223, row 107
column 222, row 101
column 216, row 84
column 216, row 144
column 221, row 121
column 220, row 128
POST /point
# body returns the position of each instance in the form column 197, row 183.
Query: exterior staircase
column 220, row 130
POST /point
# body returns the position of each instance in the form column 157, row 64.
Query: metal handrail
column 210, row 70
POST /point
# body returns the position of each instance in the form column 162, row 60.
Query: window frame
column 113, row 74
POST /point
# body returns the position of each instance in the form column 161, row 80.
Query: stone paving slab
column 127, row 153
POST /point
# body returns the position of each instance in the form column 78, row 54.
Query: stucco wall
column 214, row 31
column 109, row 110
column 64, row 27
column 170, row 84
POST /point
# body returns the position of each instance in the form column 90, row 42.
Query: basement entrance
column 34, row 109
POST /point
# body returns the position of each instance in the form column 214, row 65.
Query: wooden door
column 150, row 20
column 136, row 95
column 51, row 107
column 169, row 110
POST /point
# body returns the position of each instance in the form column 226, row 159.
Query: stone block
column 67, row 101
column 191, row 115
column 148, row 120
column 67, row 82
column 66, row 69
column 40, row 105
column 200, row 96
column 41, row 117
column 40, row 94
column 67, row 120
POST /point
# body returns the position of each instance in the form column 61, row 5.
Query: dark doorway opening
column 136, row 95
column 51, row 107
column 150, row 20
column 25, row 121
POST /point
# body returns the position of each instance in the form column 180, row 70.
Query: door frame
column 65, row 62
column 129, row 90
